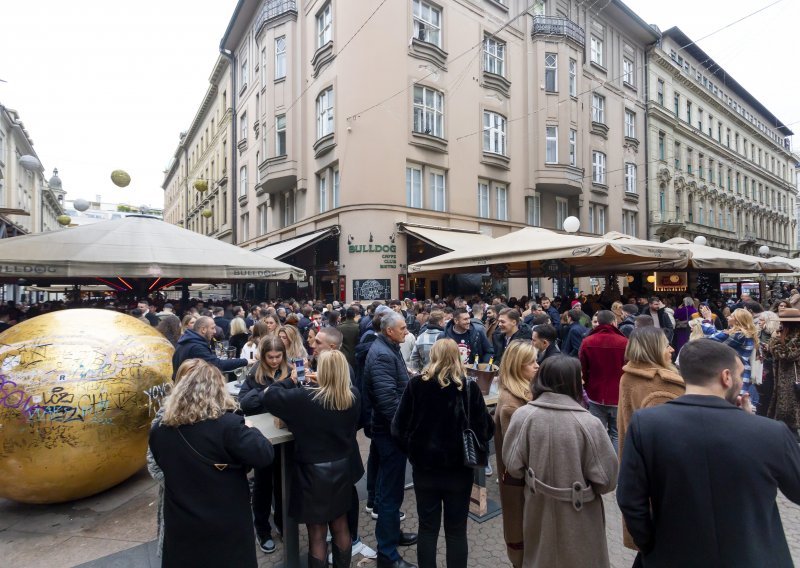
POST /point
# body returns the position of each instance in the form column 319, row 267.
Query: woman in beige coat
column 648, row 379
column 517, row 371
column 563, row 457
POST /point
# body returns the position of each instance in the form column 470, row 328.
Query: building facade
column 359, row 126
column 202, row 160
column 720, row 163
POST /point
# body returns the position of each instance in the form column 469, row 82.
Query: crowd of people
column 655, row 397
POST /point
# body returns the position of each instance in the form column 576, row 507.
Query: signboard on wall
column 372, row 289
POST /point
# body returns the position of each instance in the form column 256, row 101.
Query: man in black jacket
column 509, row 328
column 699, row 476
column 627, row 325
column 544, row 339
column 196, row 344
column 385, row 379
column 221, row 321
column 471, row 340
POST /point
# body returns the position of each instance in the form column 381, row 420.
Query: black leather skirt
column 320, row 491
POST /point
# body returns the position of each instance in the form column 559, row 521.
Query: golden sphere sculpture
column 121, row 178
column 64, row 220
column 201, row 185
column 78, row 391
column 207, row 213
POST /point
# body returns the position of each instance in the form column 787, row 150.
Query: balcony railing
column 548, row 25
column 272, row 9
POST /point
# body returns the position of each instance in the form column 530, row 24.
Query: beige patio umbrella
column 133, row 247
column 712, row 259
column 588, row 255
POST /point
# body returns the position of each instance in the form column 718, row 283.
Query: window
column 428, row 111
column 689, row 160
column 551, row 145
column 325, row 113
column 597, row 219
column 263, row 68
column 661, row 146
column 280, row 57
column 677, row 102
column 596, row 50
column 494, row 133
column 710, row 124
column 630, row 178
column 263, row 211
column 677, row 155
column 590, row 214
column 700, row 169
column 660, row 92
column 322, row 184
column 630, row 124
column 242, row 181
column 689, row 112
column 243, row 75
column 483, row 199
column 562, row 212
column 245, row 227
column 550, row 68
column 324, row 25
column 413, row 186
column 427, row 23
column 243, row 125
column 629, row 223
column 573, row 78
column 700, row 119
column 598, row 167
column 598, row 108
column 711, row 170
column 573, row 140
column 288, row 207
column 494, row 56
column 280, row 135
column 437, row 189
column 501, row 192
column 533, row 210
column 335, row 192
column 627, row 71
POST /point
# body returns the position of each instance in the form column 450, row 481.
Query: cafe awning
column 446, row 238
column 712, row 259
column 586, row 254
column 290, row 246
column 136, row 246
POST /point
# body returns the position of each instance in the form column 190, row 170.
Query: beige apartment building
column 367, row 136
column 720, row 163
column 202, row 160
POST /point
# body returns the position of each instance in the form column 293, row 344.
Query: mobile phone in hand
column 299, row 366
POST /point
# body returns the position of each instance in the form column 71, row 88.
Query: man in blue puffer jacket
column 196, row 344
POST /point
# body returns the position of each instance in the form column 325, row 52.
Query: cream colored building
column 204, row 155
column 359, row 126
column 720, row 163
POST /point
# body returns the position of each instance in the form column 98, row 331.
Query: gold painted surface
column 78, row 390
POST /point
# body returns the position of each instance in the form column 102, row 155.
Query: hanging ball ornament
column 207, row 213
column 64, row 220
column 120, row 178
column 80, row 204
column 30, row 163
column 201, row 185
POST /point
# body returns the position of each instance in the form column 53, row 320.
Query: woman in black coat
column 271, row 367
column 323, row 421
column 428, row 426
column 204, row 451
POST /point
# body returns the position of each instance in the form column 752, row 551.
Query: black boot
column 341, row 558
column 314, row 562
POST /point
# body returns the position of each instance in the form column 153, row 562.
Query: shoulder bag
column 201, row 457
column 475, row 452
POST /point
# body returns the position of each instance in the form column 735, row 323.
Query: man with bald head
column 196, row 344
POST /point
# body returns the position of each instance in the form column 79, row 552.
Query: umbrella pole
column 530, row 283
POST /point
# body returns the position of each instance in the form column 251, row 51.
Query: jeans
column 447, row 490
column 608, row 416
column 389, row 495
column 372, row 472
column 266, row 493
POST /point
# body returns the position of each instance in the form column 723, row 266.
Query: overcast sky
column 102, row 85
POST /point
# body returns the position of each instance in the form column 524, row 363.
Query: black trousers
column 352, row 514
column 266, row 496
column 437, row 491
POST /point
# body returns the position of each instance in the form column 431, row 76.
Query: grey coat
column 551, row 444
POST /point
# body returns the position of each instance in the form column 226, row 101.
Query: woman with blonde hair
column 434, row 411
column 239, row 335
column 616, row 308
column 272, row 323
column 204, row 451
column 250, row 349
column 742, row 336
column 188, row 322
column 517, row 371
column 323, row 421
column 293, row 341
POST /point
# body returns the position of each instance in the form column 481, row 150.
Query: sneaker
column 369, row 507
column 489, row 470
column 267, row 545
column 375, row 516
column 364, row 550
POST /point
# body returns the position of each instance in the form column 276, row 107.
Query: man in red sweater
column 602, row 356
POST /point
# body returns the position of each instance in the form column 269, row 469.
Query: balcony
column 272, row 9
column 747, row 237
column 277, row 175
column 550, row 26
column 666, row 224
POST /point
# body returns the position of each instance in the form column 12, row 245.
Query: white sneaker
column 374, row 516
column 364, row 550
column 489, row 470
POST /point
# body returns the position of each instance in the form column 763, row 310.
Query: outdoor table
column 479, row 479
column 265, row 423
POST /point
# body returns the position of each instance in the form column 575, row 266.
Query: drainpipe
column 232, row 179
column 647, row 134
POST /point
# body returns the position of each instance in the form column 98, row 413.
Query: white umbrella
column 588, row 255
column 134, row 247
column 712, row 259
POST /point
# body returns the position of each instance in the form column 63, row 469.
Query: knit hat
column 574, row 303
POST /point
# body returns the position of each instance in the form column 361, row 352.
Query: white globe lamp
column 572, row 224
column 763, row 250
column 80, row 204
column 700, row 240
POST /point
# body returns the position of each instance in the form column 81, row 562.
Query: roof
column 685, row 43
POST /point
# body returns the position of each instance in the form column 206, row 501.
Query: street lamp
column 572, row 224
column 763, row 250
column 700, row 240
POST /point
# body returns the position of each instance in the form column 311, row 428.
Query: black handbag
column 475, row 453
